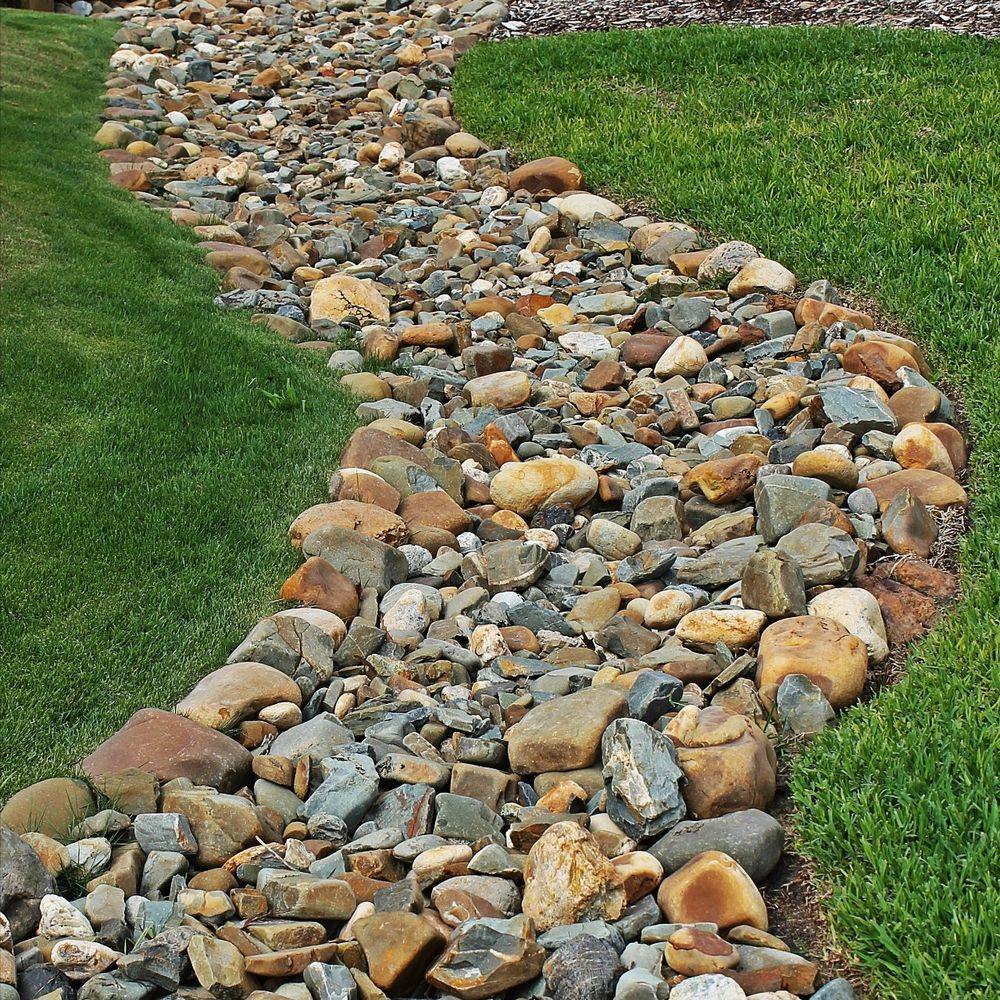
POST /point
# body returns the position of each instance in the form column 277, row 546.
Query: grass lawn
column 146, row 484
column 868, row 157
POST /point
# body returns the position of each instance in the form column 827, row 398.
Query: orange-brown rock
column 694, row 952
column 399, row 948
column 365, row 518
column 914, row 404
column 916, row 446
column 550, row 173
column 728, row 762
column 434, row 509
column 712, row 888
column 170, row 746
column 934, row 488
column 366, row 445
column 365, row 486
column 819, row 648
column 318, row 585
column 954, row 443
column 879, row 361
column 639, row 874
column 827, row 313
column 723, row 480
column 427, row 335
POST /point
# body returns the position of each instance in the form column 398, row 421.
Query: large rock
column 222, row 824
column 53, row 807
column 728, row 762
column 819, row 648
column 528, row 486
column 550, row 173
column 568, row 880
column 712, row 888
column 236, row 692
column 24, row 880
column 170, row 746
column 751, row 837
column 565, row 733
column 487, row 957
column 399, row 948
column 364, row 561
column 368, row 444
column 643, row 779
column 367, row 519
column 342, row 295
column 317, row 584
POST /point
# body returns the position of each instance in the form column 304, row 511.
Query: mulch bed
column 552, row 17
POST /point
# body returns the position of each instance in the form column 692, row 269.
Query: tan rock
column 236, row 692
column 435, row 509
column 53, row 807
column 342, row 295
column 568, row 880
column 916, row 446
column 53, row 855
column 219, row 967
column 222, row 824
column 694, row 952
column 762, row 275
column 365, row 518
column 639, row 874
column 728, row 762
column 735, row 627
column 685, row 356
column 723, row 480
column 666, row 608
column 501, row 389
column 564, row 734
column 366, row 385
column 528, row 486
column 821, row 649
column 934, row 488
column 712, row 888
column 364, row 486
column 427, row 335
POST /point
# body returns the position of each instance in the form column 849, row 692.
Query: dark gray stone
column 583, row 969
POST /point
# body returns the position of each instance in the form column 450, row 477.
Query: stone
column 308, row 897
column 170, row 746
column 487, row 957
column 916, row 446
column 567, row 879
column 712, row 887
column 582, row 208
column 773, row 583
column 342, row 295
column 24, row 880
column 504, row 390
column 733, row 627
column 857, row 611
column 550, row 173
column 684, row 356
column 612, row 540
column 761, row 275
column 81, row 960
column 694, row 952
column 399, row 948
column 222, row 824
column 317, row 584
column 585, row 968
column 750, row 836
column 546, row 482
column 348, row 790
column 365, row 519
column 908, row 526
column 52, row 807
column 219, row 967
column 727, row 761
column 708, row 987
column 365, row 561
column 823, row 553
column 236, row 692
column 820, row 649
column 565, row 733
column 802, row 706
column 642, row 779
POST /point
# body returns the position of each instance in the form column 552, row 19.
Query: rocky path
column 555, row 17
column 629, row 512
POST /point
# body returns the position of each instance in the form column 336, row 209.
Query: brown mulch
column 553, row 17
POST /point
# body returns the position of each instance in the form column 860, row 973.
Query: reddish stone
column 550, row 173
column 434, row 510
column 318, row 585
column 908, row 614
column 367, row 444
column 643, row 350
column 921, row 576
column 170, row 746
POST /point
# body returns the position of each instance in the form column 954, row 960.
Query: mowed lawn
column 146, row 484
column 870, row 158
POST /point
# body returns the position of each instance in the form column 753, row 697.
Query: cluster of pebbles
column 627, row 511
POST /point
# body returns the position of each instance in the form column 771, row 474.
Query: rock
column 612, row 540
column 365, row 561
column 801, row 705
column 819, row 648
column 565, row 733
column 642, row 779
column 567, row 879
column 823, row 553
column 751, row 837
column 365, row 519
column 582, row 208
column 60, row 919
column 733, row 627
column 349, row 788
column 504, row 390
column 24, row 880
column 727, row 761
column 526, row 487
column 584, row 968
column 550, row 173
column 708, row 987
column 487, row 957
column 170, row 746
column 932, row 488
column 342, row 295
column 308, row 897
column 317, row 584
column 399, row 948
column 81, row 960
column 725, row 262
column 694, row 952
column 773, row 583
column 52, row 807
column 222, row 824
column 918, row 447
column 712, row 887
column 762, row 275
column 236, row 692
column 219, row 967
column 908, row 527
column 857, row 611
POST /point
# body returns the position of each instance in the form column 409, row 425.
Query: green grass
column 870, row 158
column 146, row 484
